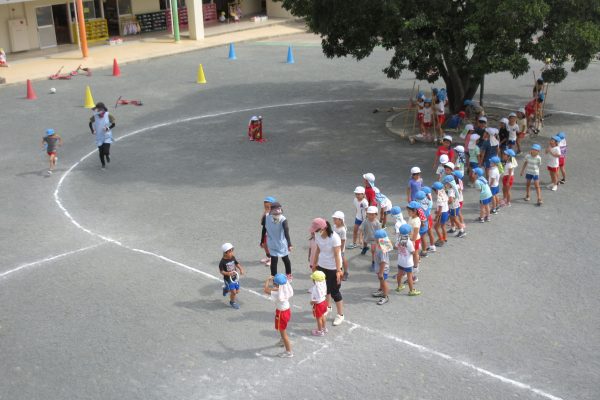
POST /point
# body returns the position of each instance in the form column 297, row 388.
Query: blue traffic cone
column 232, row 52
column 290, row 57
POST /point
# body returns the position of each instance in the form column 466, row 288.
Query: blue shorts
column 232, row 285
column 423, row 231
column 530, row 177
column 387, row 212
column 455, row 212
column 486, row 201
column 385, row 276
column 512, row 142
column 444, row 217
column 473, row 164
column 357, row 222
column 487, row 164
column 495, row 190
column 405, row 269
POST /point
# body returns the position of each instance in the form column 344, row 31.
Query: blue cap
column 561, row 135
column 557, row 138
column 536, row 146
column 437, row 185
column 427, row 101
column 396, row 210
column 426, row 189
column 280, row 279
column 49, row 131
column 495, row 160
column 420, row 94
column 468, row 102
column 380, row 234
column 420, row 195
column 405, row 229
column 479, row 171
column 541, row 97
column 269, row 199
column 414, row 205
column 510, row 152
column 434, row 90
column 448, row 178
column 459, row 174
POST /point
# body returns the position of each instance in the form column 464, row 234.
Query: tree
column 459, row 41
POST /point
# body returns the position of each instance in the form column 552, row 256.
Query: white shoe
column 286, row 354
column 554, row 188
column 550, row 186
column 338, row 320
column 328, row 310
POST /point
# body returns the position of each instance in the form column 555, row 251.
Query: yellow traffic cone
column 89, row 100
column 201, row 77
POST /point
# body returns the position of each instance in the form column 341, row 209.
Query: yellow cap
column 318, row 276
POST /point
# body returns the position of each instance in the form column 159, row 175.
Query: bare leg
column 286, row 341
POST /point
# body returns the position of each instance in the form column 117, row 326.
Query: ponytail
column 329, row 229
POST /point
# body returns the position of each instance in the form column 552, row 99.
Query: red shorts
column 430, row 221
column 441, row 119
column 553, row 169
column 419, row 116
column 561, row 161
column 282, row 318
column 461, row 203
column 427, row 124
column 51, row 153
column 508, row 180
column 417, row 244
column 320, row 309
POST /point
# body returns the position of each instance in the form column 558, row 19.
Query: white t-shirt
column 341, row 231
column 513, row 131
column 509, row 167
column 318, row 292
column 326, row 245
column 452, row 193
column 494, row 177
column 405, row 258
column 427, row 115
column 415, row 222
column 442, row 200
column 282, row 301
column 439, row 108
column 361, row 208
column 553, row 161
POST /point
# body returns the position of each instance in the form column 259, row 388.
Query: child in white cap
column 229, row 267
column 361, row 204
column 474, row 157
column 339, row 227
column 414, row 184
column 513, row 130
column 368, row 228
column 522, row 123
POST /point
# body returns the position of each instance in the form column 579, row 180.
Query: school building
column 40, row 24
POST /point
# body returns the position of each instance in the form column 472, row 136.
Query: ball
column 53, row 90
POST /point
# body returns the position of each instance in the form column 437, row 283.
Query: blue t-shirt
column 415, row 186
column 484, row 188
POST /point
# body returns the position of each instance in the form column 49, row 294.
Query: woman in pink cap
column 328, row 256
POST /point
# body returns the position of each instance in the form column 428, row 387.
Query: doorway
column 45, row 27
column 61, row 23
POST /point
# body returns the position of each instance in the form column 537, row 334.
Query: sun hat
column 338, row 214
column 269, row 199
column 405, row 229
column 459, row 174
column 448, row 178
column 280, row 279
column 437, row 186
column 483, row 118
column 495, row 160
column 510, row 152
column 427, row 101
column 415, row 170
column 479, row 172
column 276, row 208
column 100, row 106
column 426, row 189
column 561, row 135
column 444, row 159
column 459, row 148
column 380, row 234
column 369, row 177
column 449, row 165
column 512, row 114
column 318, row 276
column 504, row 121
column 359, row 190
column 49, row 132
column 420, row 195
column 462, row 114
column 226, row 247
column 469, row 127
column 521, row 110
column 448, row 138
column 371, row 210
column 556, row 138
column 395, row 210
column 317, row 224
column 413, row 205
column 536, row 146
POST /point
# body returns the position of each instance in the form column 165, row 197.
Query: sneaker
column 235, row 305
column 480, row 219
column 494, row 211
column 414, row 292
column 554, row 188
column 364, row 251
column 431, row 249
column 415, row 280
column 290, row 278
column 487, row 219
column 345, row 277
column 377, row 293
column 400, row 288
column 439, row 243
column 423, row 254
column 383, row 300
column 225, row 291
column 49, row 172
column 550, row 186
column 508, row 204
column 286, row 354
column 316, row 332
column 351, row 246
column 562, row 181
column 461, row 234
column 264, row 260
column 338, row 320
column 325, row 331
column 451, row 230
column 103, row 168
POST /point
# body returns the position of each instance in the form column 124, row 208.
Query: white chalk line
column 46, row 260
column 354, row 326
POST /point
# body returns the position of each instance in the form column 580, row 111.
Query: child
column 460, row 159
column 414, row 184
column 439, row 170
column 513, row 130
column 553, row 151
column 494, row 181
column 459, row 176
column 439, row 110
column 369, row 181
column 441, row 213
column 382, row 260
column 420, row 107
column 385, row 206
column 522, row 123
column 510, row 163
column 446, row 150
column 454, row 205
column 361, row 204
column 563, row 157
column 423, row 231
column 255, row 129
column 415, row 219
column 368, row 228
column 228, row 267
column 485, row 195
column 474, row 156
column 431, row 248
column 263, row 239
column 339, row 227
column 51, row 142
column 538, row 87
column 397, row 214
column 533, row 111
column 503, row 134
column 3, row 62
column 406, row 249
column 532, row 167
column 318, row 300
column 427, row 120
column 101, row 125
column 280, row 293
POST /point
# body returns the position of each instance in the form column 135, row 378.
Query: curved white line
column 408, row 343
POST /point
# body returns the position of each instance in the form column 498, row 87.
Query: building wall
column 275, row 10
column 7, row 12
column 250, row 7
column 144, row 6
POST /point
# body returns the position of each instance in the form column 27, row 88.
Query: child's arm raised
column 267, row 287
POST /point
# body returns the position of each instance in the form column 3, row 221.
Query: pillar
column 195, row 19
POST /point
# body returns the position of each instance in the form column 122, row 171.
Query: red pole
column 82, row 33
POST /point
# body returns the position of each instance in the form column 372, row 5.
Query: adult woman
column 329, row 260
column 278, row 239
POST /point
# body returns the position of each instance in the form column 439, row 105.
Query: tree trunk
column 459, row 88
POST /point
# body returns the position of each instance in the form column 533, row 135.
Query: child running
column 229, row 268
column 494, row 181
column 280, row 293
column 510, row 163
column 532, row 168
column 485, row 195
column 339, row 227
column 382, row 260
column 367, row 229
column 52, row 141
column 406, row 249
column 318, row 300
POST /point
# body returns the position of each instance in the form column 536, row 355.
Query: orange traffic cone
column 30, row 92
column 116, row 69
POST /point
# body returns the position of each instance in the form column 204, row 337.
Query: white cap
column 359, row 190
column 504, row 121
column 369, row 176
column 254, row 118
column 512, row 114
column 371, row 210
column 449, row 165
column 226, row 247
column 415, row 170
column 482, row 118
column 338, row 214
column 474, row 137
column 469, row 127
column 460, row 149
column 444, row 159
column 521, row 110
column 448, row 138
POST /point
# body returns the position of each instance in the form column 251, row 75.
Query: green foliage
column 459, row 41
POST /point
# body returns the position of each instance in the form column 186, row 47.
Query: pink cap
column 317, row 223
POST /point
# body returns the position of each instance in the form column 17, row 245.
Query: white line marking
column 47, row 259
column 419, row 347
